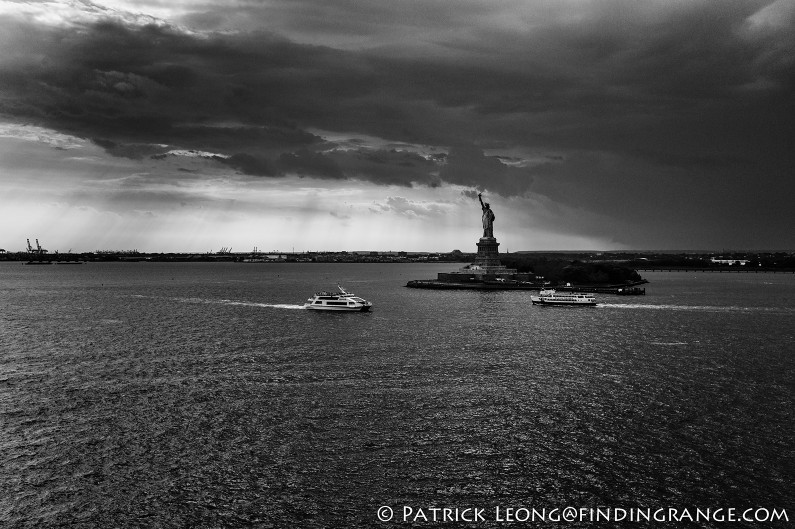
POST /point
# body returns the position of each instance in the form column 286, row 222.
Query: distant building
column 730, row 262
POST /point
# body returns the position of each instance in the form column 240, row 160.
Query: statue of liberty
column 488, row 218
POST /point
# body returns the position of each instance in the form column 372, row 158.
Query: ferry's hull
column 551, row 303
column 363, row 308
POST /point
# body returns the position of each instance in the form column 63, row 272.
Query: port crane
column 39, row 250
column 36, row 255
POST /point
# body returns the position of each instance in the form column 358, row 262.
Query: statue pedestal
column 488, row 252
column 485, row 272
column 487, row 263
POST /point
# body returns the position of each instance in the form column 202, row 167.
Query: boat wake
column 229, row 302
column 268, row 305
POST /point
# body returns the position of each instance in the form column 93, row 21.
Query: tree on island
column 576, row 272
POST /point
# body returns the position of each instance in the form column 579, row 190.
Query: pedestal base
column 488, row 253
column 487, row 265
column 486, row 273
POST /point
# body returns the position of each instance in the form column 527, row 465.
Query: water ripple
column 153, row 396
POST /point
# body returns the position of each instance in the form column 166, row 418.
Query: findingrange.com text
column 415, row 515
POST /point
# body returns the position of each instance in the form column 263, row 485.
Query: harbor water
column 203, row 395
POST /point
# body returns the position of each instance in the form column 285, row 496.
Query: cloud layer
column 661, row 116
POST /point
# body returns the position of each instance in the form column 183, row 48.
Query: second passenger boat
column 550, row 297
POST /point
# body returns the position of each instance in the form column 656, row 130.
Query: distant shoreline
column 724, row 262
column 734, row 270
column 727, row 270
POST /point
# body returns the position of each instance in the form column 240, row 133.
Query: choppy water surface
column 203, row 395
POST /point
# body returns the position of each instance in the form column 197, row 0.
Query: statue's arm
column 481, row 200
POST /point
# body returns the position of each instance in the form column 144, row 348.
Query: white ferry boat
column 551, row 297
column 340, row 301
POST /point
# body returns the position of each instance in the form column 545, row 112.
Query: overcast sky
column 372, row 125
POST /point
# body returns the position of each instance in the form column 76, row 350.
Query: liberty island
column 487, row 271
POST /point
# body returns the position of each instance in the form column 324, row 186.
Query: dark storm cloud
column 608, row 79
column 468, row 166
column 156, row 84
column 388, row 167
column 689, row 102
column 309, row 163
column 301, row 163
column 251, row 165
column 246, row 96
column 133, row 151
